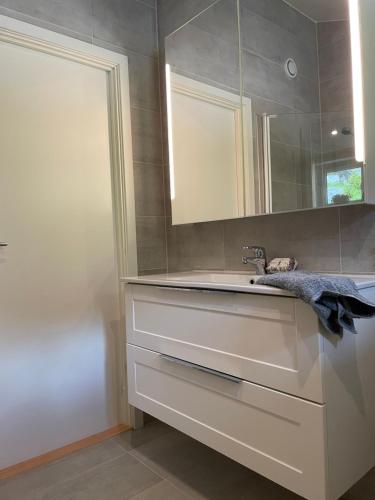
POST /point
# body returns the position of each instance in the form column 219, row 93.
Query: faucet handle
column 259, row 252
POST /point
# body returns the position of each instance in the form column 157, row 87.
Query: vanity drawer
column 274, row 434
column 272, row 341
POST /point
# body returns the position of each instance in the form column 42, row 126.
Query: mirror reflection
column 312, row 152
column 260, row 109
column 211, row 167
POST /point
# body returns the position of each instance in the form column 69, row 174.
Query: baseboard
column 50, row 456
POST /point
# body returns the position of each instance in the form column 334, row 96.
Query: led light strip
column 357, row 75
column 170, row 130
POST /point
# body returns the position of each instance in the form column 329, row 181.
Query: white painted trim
column 242, row 108
column 115, row 65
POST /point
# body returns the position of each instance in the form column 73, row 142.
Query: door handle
column 2, row 244
column 200, row 368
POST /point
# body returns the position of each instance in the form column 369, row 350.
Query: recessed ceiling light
column 334, row 132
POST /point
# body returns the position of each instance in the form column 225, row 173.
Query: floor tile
column 153, row 463
column 162, row 491
column 151, row 431
column 364, row 490
column 119, row 479
column 198, row 470
column 30, row 484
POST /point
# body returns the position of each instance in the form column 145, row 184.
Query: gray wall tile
column 336, row 95
column 312, row 237
column 284, row 196
column 334, row 59
column 288, row 196
column 151, row 3
column 262, row 105
column 284, row 16
column 306, row 95
column 335, row 66
column 149, row 190
column 272, row 41
column 196, row 52
column 144, row 81
column 291, row 164
column 75, row 15
column 195, row 246
column 304, row 196
column 41, row 23
column 332, row 32
column 220, row 20
column 151, row 243
column 300, row 130
column 283, row 162
column 146, row 136
column 126, row 23
column 173, row 15
column 267, row 79
column 358, row 223
column 167, row 190
column 358, row 256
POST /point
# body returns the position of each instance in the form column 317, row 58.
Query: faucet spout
column 258, row 259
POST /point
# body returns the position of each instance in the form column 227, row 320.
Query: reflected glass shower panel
column 311, row 161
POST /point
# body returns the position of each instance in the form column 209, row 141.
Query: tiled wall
column 329, row 239
column 335, row 88
column 129, row 27
column 332, row 239
column 272, row 32
column 206, row 48
column 335, row 66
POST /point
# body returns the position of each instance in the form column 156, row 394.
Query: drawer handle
column 200, row 368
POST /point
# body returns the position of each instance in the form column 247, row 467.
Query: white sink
column 231, row 281
column 215, row 277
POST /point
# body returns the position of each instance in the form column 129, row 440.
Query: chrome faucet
column 258, row 259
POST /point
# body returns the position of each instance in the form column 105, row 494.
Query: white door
column 59, row 294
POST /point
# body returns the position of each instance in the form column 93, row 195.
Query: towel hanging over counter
column 335, row 299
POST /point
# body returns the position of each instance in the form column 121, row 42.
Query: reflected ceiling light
column 170, row 130
column 357, row 74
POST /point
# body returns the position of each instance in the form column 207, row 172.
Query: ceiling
column 322, row 10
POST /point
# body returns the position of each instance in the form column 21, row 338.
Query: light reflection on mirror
column 357, row 77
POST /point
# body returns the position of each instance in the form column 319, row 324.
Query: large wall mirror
column 264, row 114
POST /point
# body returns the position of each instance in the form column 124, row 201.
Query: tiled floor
column 154, row 463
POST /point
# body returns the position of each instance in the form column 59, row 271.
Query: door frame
column 115, row 66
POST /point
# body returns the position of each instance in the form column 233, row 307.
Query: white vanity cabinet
column 255, row 377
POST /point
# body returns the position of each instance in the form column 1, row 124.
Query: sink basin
column 216, row 278
column 230, row 281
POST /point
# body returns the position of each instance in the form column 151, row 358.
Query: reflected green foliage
column 353, row 188
column 344, row 185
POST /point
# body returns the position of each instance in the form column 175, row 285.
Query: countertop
column 229, row 281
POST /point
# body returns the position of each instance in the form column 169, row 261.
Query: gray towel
column 335, row 299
